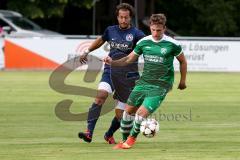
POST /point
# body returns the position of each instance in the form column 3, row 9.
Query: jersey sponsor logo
column 152, row 58
column 129, row 37
column 120, row 46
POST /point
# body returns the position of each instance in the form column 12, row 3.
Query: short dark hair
column 158, row 19
column 125, row 6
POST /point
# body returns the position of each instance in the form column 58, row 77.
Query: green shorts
column 149, row 96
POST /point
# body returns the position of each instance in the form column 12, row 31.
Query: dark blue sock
column 114, row 127
column 93, row 115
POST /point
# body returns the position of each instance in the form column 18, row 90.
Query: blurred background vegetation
column 185, row 17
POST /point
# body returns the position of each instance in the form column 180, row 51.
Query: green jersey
column 158, row 60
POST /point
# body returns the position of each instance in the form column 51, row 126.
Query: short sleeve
column 177, row 50
column 138, row 49
column 105, row 35
column 140, row 35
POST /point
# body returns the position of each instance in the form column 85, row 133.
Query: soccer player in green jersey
column 158, row 51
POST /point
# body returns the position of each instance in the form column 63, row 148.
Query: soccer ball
column 149, row 127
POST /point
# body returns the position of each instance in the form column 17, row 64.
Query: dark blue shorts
column 106, row 77
column 121, row 82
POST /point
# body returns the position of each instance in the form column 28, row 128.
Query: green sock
column 136, row 126
column 126, row 125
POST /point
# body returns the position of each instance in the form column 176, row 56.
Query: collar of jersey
column 163, row 37
column 123, row 29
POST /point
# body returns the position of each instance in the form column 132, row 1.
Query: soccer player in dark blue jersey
column 122, row 39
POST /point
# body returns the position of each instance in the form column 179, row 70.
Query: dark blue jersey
column 121, row 41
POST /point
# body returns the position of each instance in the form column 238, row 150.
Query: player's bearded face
column 157, row 31
column 124, row 19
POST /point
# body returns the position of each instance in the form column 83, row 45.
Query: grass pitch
column 200, row 123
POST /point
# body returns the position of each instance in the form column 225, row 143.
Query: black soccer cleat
column 85, row 136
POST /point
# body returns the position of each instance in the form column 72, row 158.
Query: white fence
column 203, row 54
column 1, row 53
column 211, row 54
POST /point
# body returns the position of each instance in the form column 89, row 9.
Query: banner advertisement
column 48, row 53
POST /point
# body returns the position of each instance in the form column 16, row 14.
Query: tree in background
column 202, row 18
column 186, row 17
column 44, row 8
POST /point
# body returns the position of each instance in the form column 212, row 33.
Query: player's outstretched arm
column 96, row 44
column 183, row 71
column 132, row 57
